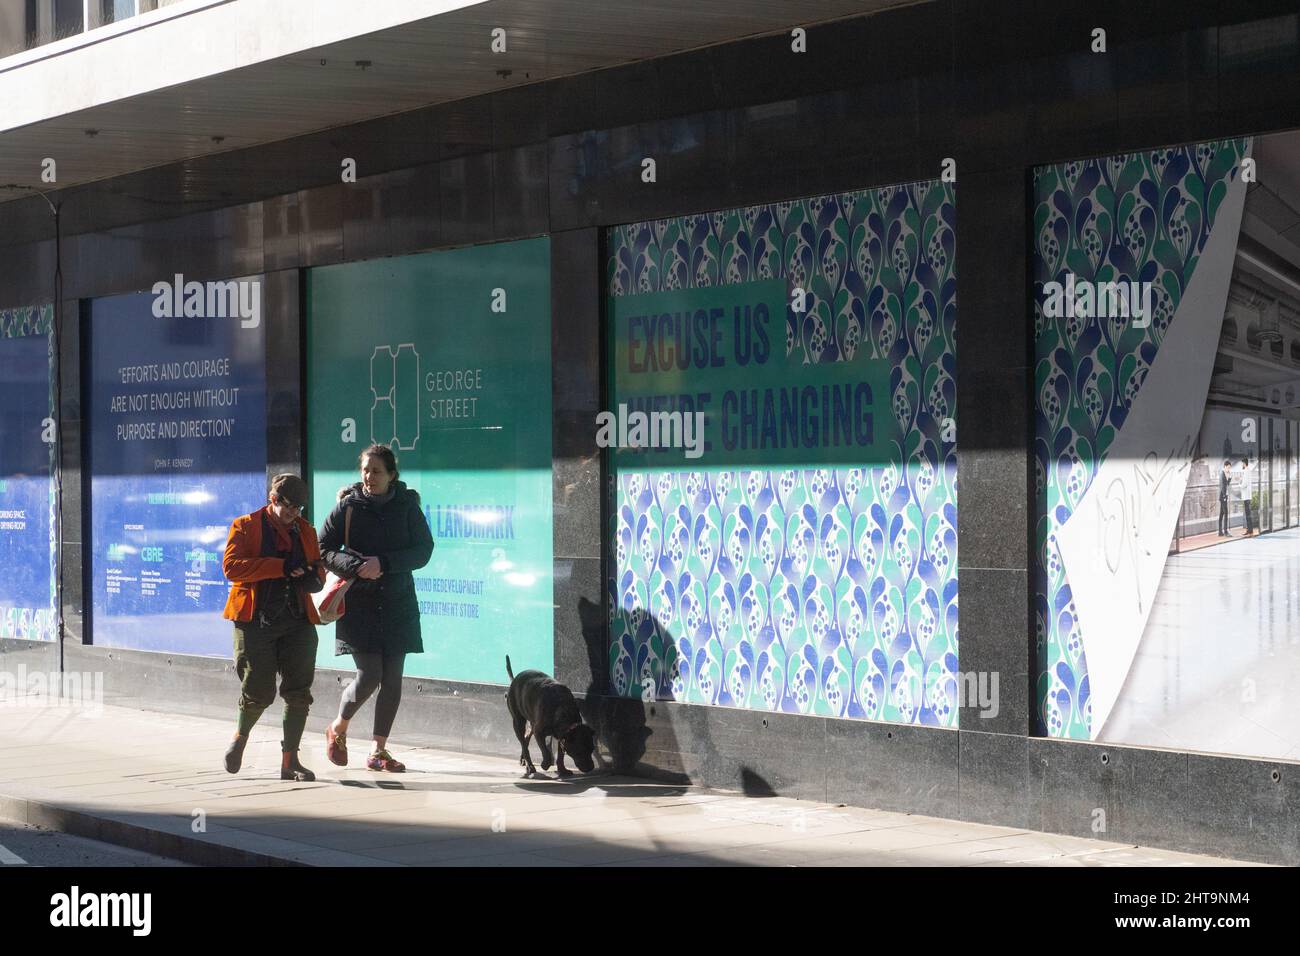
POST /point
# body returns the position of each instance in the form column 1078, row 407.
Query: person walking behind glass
column 1245, row 479
column 273, row 562
column 376, row 535
column 1225, row 483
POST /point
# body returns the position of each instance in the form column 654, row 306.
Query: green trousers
column 288, row 647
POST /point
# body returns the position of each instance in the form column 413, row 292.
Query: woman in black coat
column 387, row 538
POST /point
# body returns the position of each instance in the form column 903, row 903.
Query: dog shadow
column 630, row 729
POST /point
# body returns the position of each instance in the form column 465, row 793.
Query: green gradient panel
column 411, row 350
column 720, row 351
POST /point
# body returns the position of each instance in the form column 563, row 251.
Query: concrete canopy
column 208, row 76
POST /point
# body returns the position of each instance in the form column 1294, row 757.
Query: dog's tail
column 508, row 670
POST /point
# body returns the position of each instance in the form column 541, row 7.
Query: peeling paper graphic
column 1115, row 544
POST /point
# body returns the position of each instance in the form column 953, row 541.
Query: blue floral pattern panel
column 31, row 320
column 1136, row 217
column 804, row 587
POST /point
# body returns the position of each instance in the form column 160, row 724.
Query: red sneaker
column 336, row 748
column 383, row 760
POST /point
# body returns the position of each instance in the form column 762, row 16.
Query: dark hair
column 384, row 454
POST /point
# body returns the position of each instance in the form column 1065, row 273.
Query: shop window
column 452, row 369
column 800, row 555
column 1193, row 535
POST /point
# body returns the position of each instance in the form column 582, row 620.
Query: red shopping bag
column 329, row 600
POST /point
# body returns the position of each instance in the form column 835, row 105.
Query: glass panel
column 1263, row 475
column 165, row 486
column 759, row 487
column 467, row 406
column 1144, row 646
column 112, row 11
column 27, row 546
column 27, row 24
column 1257, row 476
column 1292, row 472
column 1279, row 475
column 67, row 18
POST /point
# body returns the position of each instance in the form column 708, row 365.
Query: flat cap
column 291, row 488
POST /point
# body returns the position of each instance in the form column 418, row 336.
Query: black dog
column 548, row 709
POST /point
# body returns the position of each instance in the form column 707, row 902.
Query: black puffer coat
column 381, row 615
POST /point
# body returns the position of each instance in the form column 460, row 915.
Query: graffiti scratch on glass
column 1121, row 508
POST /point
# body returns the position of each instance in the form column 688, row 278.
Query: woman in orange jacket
column 273, row 562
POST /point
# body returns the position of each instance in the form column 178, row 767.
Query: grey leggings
column 383, row 671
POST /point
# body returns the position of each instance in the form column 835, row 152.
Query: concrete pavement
column 22, row 844
column 154, row 783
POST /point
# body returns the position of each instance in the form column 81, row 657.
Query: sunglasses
column 297, row 509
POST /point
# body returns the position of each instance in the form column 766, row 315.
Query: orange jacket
column 245, row 565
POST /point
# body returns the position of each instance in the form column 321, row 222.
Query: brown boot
column 235, row 754
column 296, row 771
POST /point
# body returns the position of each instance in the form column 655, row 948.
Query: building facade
column 670, row 350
